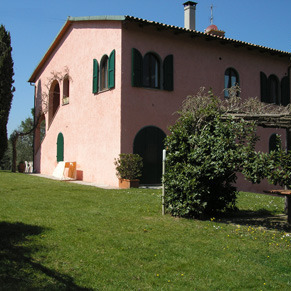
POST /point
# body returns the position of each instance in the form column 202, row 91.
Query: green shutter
column 60, row 147
column 168, row 68
column 95, row 76
column 264, row 87
column 136, row 68
column 111, row 70
column 285, row 91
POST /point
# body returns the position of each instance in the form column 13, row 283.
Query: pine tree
column 6, row 87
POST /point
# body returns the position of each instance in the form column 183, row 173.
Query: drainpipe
column 288, row 144
column 34, row 106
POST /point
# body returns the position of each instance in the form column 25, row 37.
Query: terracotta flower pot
column 126, row 183
column 21, row 167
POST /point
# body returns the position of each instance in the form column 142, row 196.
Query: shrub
column 129, row 166
column 204, row 153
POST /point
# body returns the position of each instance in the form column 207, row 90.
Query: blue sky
column 34, row 24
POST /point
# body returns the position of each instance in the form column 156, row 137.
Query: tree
column 6, row 88
column 204, row 153
column 25, row 142
column 22, row 142
column 5, row 163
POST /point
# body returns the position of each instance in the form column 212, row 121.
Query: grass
column 63, row 236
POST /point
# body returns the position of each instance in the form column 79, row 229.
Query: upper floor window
column 231, row 79
column 150, row 72
column 104, row 73
column 54, row 100
column 272, row 91
column 273, row 88
column 104, row 77
column 66, row 90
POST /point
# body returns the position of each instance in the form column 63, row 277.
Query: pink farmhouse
column 111, row 85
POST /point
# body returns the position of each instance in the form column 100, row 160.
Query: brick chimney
column 190, row 15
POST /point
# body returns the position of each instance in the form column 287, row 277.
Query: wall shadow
column 18, row 271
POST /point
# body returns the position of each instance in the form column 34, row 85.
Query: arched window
column 104, row 73
column 66, row 89
column 104, row 76
column 151, row 71
column 274, row 141
column 273, row 88
column 147, row 71
column 54, row 100
column 231, row 79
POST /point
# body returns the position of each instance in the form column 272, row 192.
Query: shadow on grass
column 18, row 271
column 259, row 218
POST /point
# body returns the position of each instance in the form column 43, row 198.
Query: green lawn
column 58, row 235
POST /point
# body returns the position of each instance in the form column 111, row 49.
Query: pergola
column 272, row 120
column 266, row 120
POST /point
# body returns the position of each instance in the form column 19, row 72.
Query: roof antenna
column 211, row 18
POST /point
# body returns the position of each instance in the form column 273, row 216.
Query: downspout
column 288, row 143
column 34, row 106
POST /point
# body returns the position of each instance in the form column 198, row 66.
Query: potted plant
column 21, row 167
column 128, row 170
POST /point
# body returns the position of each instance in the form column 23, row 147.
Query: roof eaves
column 199, row 33
column 101, row 17
column 49, row 51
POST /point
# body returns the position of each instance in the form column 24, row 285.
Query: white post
column 163, row 188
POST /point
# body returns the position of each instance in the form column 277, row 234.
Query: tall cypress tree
column 6, row 87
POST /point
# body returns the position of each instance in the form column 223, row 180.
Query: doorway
column 149, row 144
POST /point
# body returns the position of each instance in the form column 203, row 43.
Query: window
column 104, row 77
column 274, row 142
column 230, row 79
column 148, row 72
column 104, row 73
column 272, row 91
column 151, row 71
column 54, row 100
column 66, row 90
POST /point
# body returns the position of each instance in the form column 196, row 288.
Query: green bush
column 204, row 153
column 129, row 166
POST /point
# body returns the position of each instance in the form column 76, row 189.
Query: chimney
column 189, row 14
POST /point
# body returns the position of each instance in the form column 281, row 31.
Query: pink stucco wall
column 90, row 123
column 98, row 127
column 197, row 63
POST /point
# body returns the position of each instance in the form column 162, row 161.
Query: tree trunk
column 14, row 152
